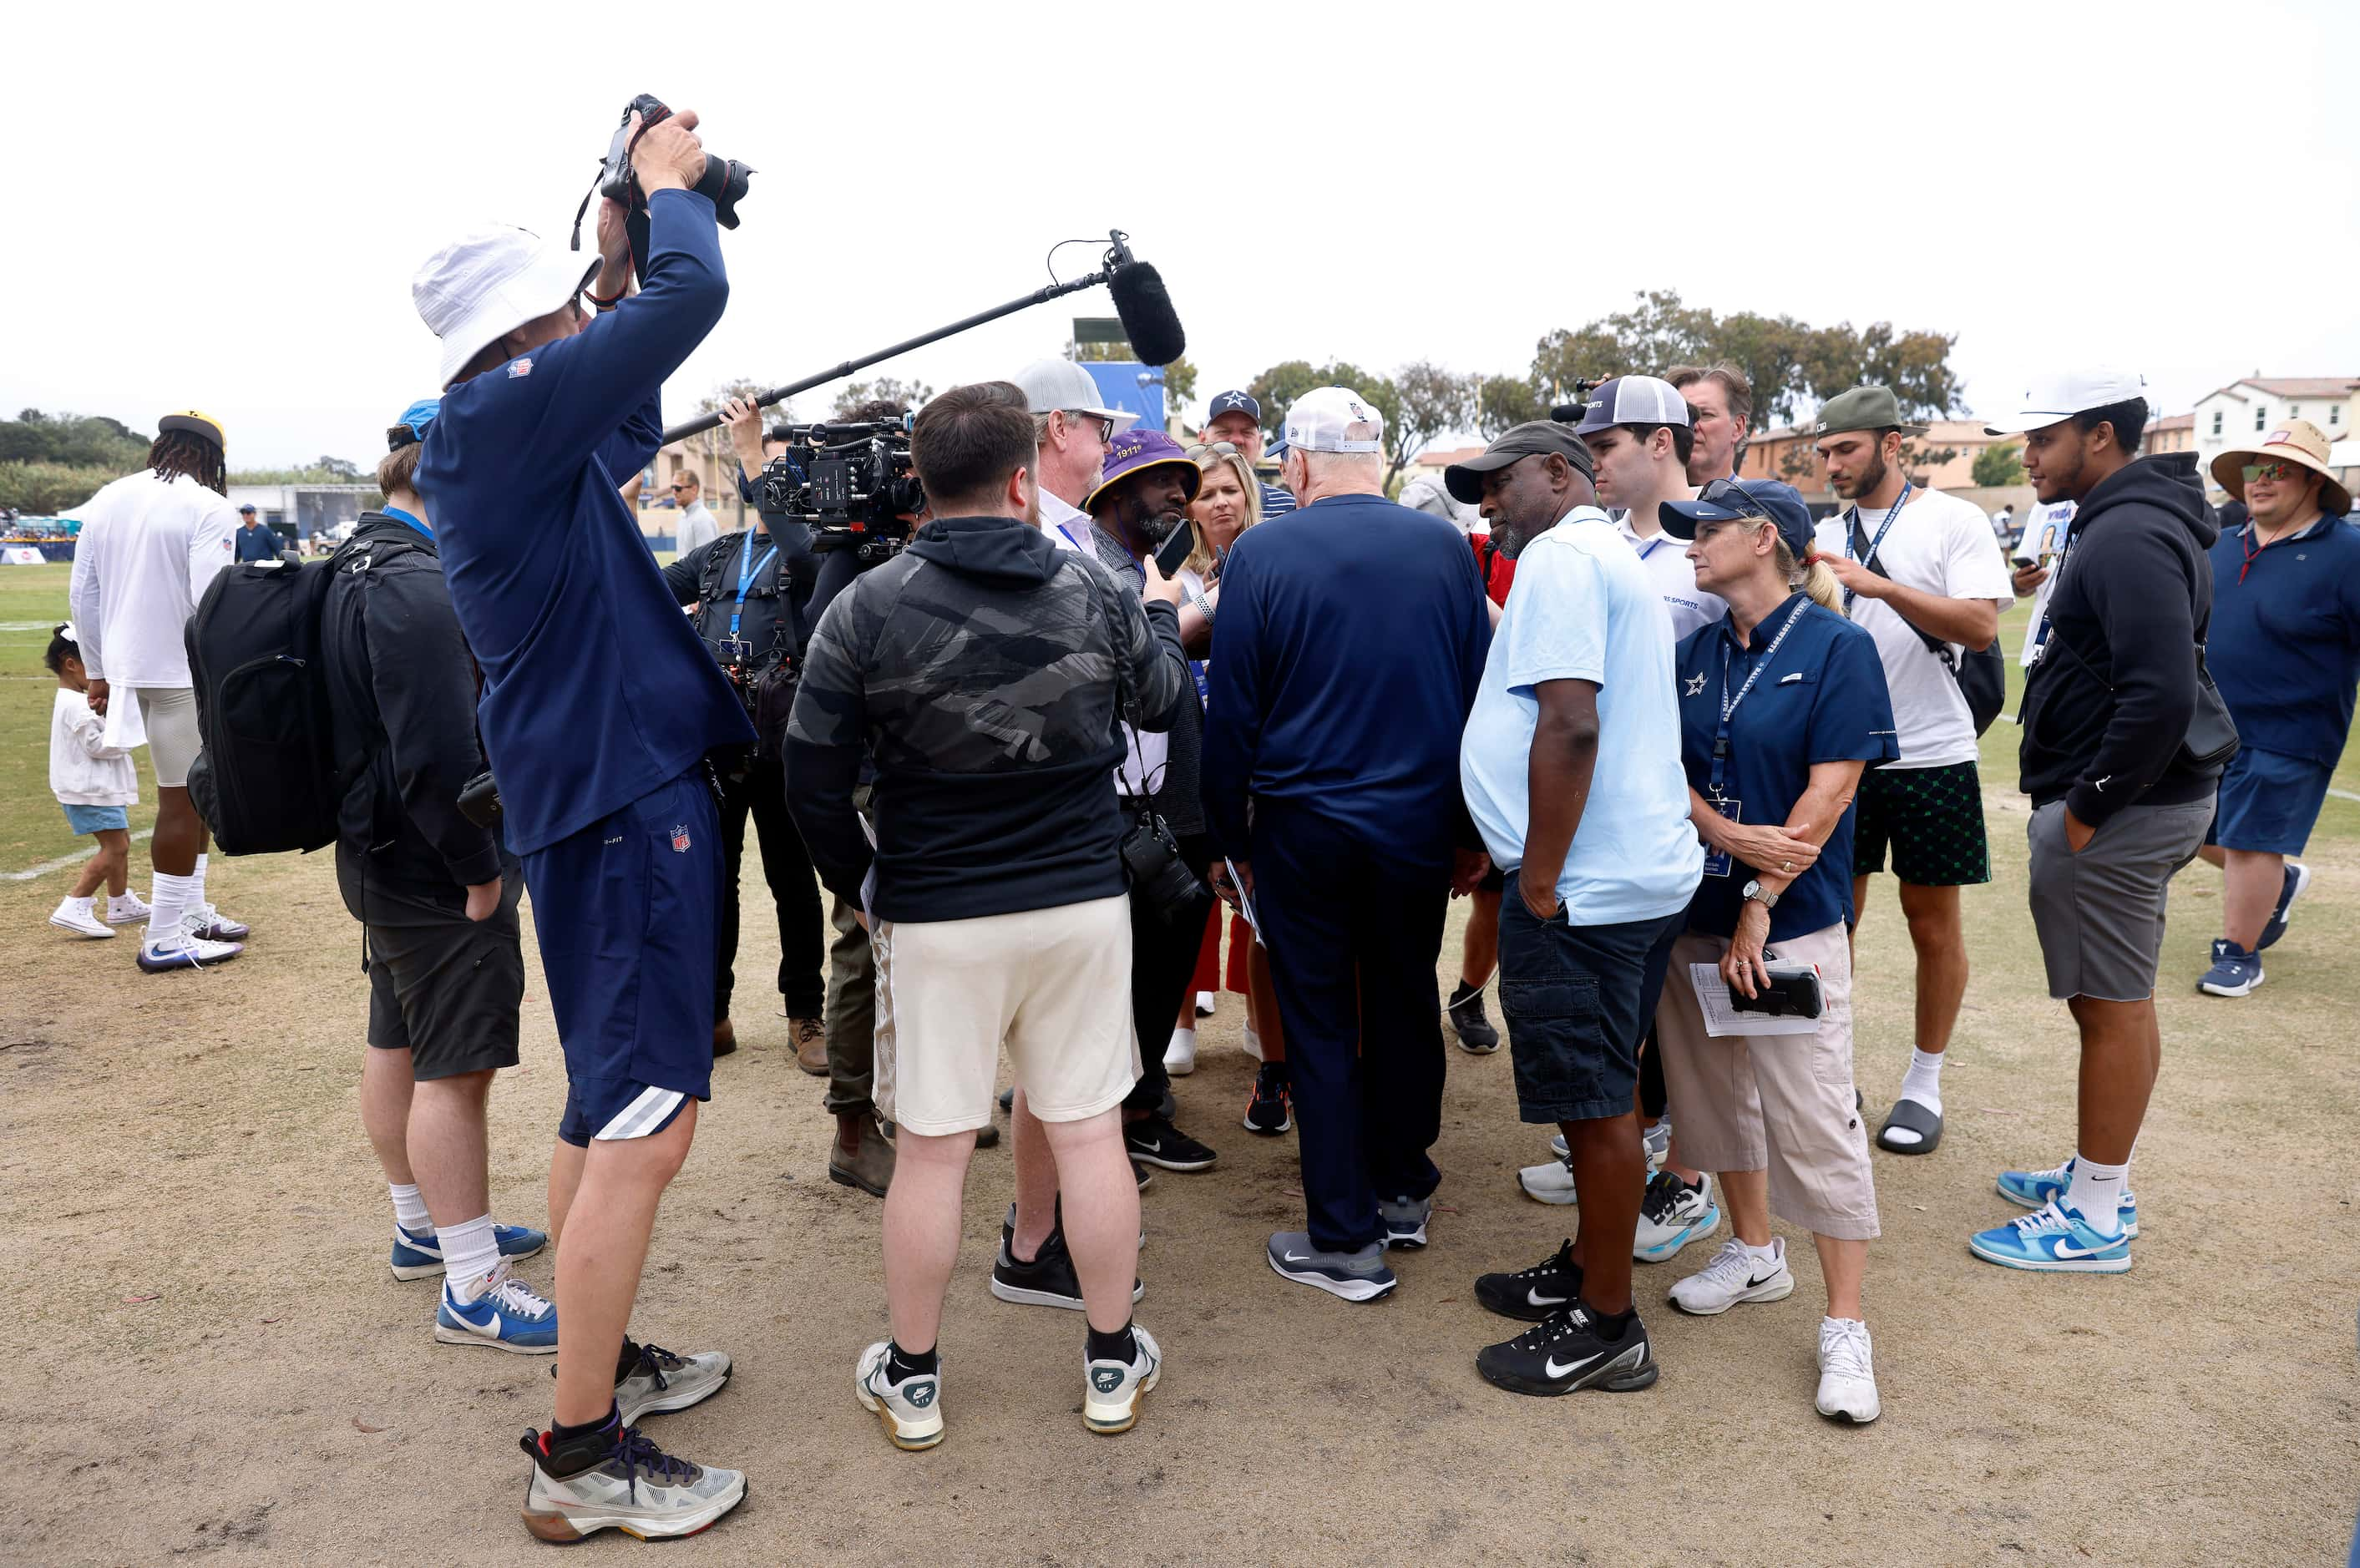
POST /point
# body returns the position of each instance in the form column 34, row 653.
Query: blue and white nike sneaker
column 2038, row 1189
column 2298, row 879
column 420, row 1257
column 2052, row 1240
column 510, row 1315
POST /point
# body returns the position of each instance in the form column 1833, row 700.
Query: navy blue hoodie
column 595, row 686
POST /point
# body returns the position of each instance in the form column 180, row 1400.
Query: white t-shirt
column 1579, row 612
column 2045, row 528
column 697, row 527
column 146, row 554
column 1939, row 545
column 1668, row 567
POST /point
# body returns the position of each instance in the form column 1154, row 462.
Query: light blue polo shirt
column 1583, row 609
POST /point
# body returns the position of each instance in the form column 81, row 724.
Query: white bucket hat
column 490, row 281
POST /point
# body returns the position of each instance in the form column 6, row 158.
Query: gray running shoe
column 912, row 1409
column 618, row 1480
column 1112, row 1390
column 662, row 1382
column 1356, row 1276
column 1404, row 1220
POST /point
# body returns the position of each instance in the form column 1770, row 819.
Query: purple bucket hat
column 1137, row 448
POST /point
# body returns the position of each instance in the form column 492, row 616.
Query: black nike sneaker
column 1154, row 1141
column 1048, row 1280
column 1476, row 1035
column 1271, row 1111
column 1563, row 1352
column 1531, row 1294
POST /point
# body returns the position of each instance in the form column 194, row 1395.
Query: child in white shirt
column 94, row 782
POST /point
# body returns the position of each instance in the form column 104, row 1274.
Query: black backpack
column 267, row 778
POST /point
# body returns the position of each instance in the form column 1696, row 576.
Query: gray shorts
column 170, row 715
column 2099, row 914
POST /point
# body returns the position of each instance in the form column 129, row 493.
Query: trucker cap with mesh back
column 1633, row 401
column 1334, row 419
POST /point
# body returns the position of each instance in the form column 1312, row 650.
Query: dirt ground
column 212, row 1361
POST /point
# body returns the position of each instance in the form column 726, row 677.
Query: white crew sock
column 171, row 901
column 2096, row 1194
column 409, row 1209
column 1770, row 1254
column 470, row 1253
column 197, row 884
column 1923, row 1081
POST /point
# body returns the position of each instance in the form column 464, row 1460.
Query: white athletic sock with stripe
column 171, row 902
column 2097, row 1193
column 470, row 1253
column 409, row 1209
column 197, row 884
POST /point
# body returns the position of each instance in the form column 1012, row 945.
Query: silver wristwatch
column 1754, row 890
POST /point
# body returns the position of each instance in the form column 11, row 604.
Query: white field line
column 62, row 861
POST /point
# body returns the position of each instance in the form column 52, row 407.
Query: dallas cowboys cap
column 1633, row 401
column 1233, row 403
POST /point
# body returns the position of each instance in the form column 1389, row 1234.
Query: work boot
column 869, row 1165
column 811, row 1046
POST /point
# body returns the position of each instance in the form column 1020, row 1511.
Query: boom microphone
column 1147, row 319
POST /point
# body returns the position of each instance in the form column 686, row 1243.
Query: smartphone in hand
column 1173, row 552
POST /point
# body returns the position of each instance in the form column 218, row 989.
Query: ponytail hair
column 1813, row 577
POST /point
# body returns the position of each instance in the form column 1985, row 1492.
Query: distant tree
column 1429, row 401
column 346, row 473
column 1999, row 465
column 44, row 489
column 913, row 394
column 1179, row 377
column 1502, row 402
column 73, row 440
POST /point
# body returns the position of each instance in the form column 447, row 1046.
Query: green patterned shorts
column 1933, row 818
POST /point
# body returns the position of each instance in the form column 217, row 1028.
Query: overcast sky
column 225, row 204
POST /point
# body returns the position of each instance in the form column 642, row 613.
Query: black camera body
column 725, row 180
column 853, row 483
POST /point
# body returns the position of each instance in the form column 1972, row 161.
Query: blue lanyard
column 398, row 516
column 1729, row 704
column 748, row 569
column 1880, row 528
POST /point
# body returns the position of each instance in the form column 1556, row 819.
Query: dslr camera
column 852, row 484
column 725, row 180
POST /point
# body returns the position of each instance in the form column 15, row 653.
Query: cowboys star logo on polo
column 1695, row 685
column 679, row 838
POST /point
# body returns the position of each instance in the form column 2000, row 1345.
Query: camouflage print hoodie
column 977, row 668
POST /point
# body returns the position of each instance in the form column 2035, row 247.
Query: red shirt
column 1498, row 570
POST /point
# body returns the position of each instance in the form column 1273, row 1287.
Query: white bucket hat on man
column 489, row 282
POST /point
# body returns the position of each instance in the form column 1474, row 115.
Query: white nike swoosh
column 2066, row 1248
column 1293, row 1257
column 1534, row 1297
column 1555, row 1370
column 1155, row 1148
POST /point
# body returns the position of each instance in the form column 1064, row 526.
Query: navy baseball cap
column 248, row 507
column 1726, row 500
column 1233, row 403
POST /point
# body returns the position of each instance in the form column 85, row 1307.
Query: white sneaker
column 1549, row 1184
column 1672, row 1214
column 181, row 951
column 1112, row 1390
column 73, row 915
column 1180, row 1056
column 130, row 907
column 1847, row 1372
column 912, row 1409
column 1735, row 1275
column 1206, row 1002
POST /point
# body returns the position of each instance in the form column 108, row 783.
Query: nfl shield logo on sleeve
column 679, row 838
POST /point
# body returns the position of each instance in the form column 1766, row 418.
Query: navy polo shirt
column 1821, row 699
column 2284, row 643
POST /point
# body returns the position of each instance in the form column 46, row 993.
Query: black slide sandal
column 1911, row 1116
